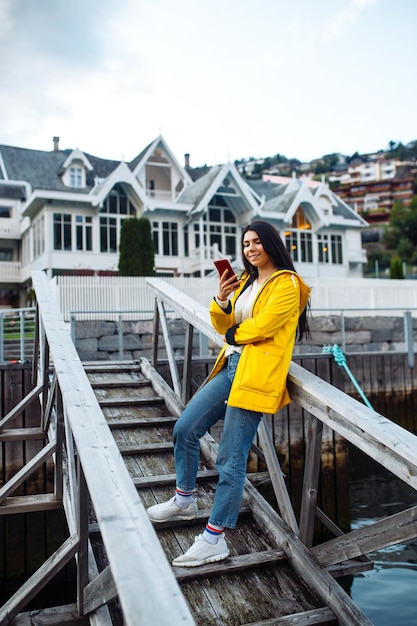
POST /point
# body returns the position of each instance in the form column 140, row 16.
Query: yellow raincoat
column 268, row 337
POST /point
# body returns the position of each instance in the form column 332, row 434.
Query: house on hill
column 61, row 212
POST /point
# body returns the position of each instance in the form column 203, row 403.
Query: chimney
column 56, row 143
column 187, row 159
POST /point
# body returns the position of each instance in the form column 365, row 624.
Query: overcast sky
column 219, row 79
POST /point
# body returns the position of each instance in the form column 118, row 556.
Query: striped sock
column 183, row 498
column 212, row 533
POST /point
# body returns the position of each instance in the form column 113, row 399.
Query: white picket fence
column 90, row 296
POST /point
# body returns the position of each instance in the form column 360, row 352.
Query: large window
column 330, row 249
column 336, row 249
column 83, row 232
column 165, row 238
column 64, row 236
column 299, row 239
column 38, row 237
column 62, row 231
column 117, row 207
column 170, row 238
column 219, row 228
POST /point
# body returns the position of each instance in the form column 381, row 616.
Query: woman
column 260, row 321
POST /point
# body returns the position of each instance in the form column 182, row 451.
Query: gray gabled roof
column 277, row 197
column 266, row 189
column 43, row 170
column 195, row 192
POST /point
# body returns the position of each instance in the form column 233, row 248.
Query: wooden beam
column 303, row 562
column 387, row 443
column 99, row 591
column 277, row 477
column 27, row 470
column 311, row 481
column 350, row 568
column 21, row 406
column 176, row 383
column 22, row 434
column 62, row 615
column 132, row 547
column 30, row 504
column 314, row 617
column 39, row 580
column 187, row 368
column 387, row 532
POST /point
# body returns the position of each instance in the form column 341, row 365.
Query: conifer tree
column 136, row 252
column 146, row 248
column 396, row 268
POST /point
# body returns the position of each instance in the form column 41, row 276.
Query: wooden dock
column 270, row 578
column 108, row 430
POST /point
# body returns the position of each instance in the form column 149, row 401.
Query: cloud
column 344, row 18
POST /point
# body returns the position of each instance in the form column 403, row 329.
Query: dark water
column 388, row 593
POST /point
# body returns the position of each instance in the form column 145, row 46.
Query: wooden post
column 277, row 477
column 311, row 482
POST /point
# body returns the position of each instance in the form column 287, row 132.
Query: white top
column 243, row 310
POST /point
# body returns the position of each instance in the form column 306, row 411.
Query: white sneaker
column 171, row 511
column 202, row 552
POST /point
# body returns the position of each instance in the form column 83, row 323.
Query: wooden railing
column 382, row 440
column 88, row 466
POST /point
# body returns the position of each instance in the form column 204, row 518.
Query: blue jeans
column 206, row 407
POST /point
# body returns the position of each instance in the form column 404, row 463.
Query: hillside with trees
column 392, row 247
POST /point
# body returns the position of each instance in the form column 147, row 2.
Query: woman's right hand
column 227, row 285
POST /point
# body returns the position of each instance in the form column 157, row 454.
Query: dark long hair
column 279, row 255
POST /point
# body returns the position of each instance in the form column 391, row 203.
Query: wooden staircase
column 270, row 578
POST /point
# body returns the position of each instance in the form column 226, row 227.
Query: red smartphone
column 222, row 265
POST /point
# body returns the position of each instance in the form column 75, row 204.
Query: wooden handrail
column 135, row 555
column 388, row 443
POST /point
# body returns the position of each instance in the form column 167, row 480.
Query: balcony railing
column 10, row 272
column 157, row 194
column 9, row 228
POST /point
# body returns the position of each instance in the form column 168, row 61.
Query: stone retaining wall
column 101, row 340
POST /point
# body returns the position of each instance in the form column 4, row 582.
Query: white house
column 61, row 211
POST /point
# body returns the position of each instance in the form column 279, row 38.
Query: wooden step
column 148, row 448
column 122, row 402
column 231, row 565
column 141, row 422
column 143, row 482
column 122, row 384
column 97, row 367
column 201, row 517
column 306, row 618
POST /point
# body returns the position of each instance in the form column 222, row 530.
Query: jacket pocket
column 260, row 369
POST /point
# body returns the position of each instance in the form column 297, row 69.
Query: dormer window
column 76, row 176
column 75, row 168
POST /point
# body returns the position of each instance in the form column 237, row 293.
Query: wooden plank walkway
column 270, row 577
column 108, row 431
